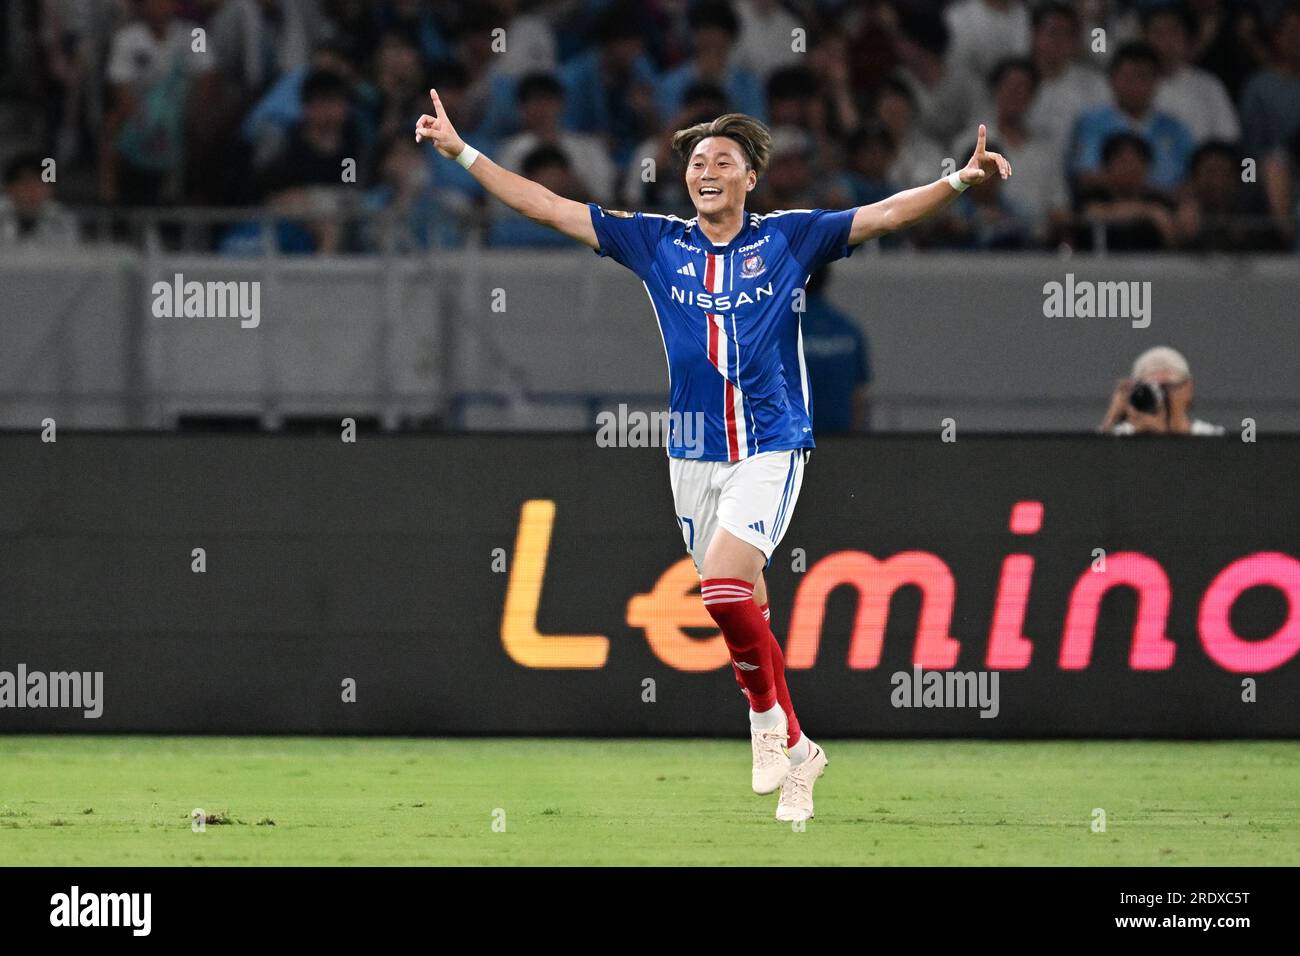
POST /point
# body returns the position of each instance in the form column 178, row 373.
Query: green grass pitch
column 127, row 801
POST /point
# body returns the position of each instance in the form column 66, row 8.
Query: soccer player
column 726, row 288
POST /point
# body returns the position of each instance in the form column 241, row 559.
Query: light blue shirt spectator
column 1172, row 143
column 744, row 91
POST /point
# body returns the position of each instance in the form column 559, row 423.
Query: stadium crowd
column 1145, row 125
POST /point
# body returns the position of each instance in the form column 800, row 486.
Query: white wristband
column 467, row 156
column 955, row 182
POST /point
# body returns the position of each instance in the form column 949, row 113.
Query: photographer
column 1156, row 400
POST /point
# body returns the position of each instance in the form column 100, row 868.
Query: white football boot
column 771, row 763
column 796, row 801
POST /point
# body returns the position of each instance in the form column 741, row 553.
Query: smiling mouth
column 710, row 191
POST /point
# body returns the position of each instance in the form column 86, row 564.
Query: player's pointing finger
column 979, row 141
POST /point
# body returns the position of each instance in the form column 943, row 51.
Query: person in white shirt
column 766, row 40
column 1188, row 93
column 1156, row 399
column 919, row 158
column 986, row 31
column 1066, row 87
column 1038, row 187
column 541, row 108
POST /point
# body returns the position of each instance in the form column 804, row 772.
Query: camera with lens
column 1147, row 397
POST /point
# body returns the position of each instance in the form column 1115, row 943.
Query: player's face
column 717, row 176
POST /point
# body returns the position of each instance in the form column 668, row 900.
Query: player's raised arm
column 522, row 195
column 910, row 206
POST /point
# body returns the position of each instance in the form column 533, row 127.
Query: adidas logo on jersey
column 687, row 270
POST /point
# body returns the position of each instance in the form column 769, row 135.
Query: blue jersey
column 729, row 317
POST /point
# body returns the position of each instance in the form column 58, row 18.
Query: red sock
column 778, row 680
column 730, row 602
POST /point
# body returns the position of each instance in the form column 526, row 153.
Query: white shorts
column 752, row 499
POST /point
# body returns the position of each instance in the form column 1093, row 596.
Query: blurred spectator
column 919, row 158
column 530, row 47
column 766, row 41
column 268, row 123
column 417, row 19
column 1121, row 203
column 1066, row 87
column 1279, row 173
column 1037, row 189
column 29, row 214
column 1270, row 104
column 1163, row 403
column 986, row 219
column 984, row 32
column 452, row 179
column 944, row 92
column 153, row 74
column 1191, row 95
column 838, row 358
column 1133, row 74
column 323, row 147
column 660, row 186
column 871, row 153
column 1215, row 213
column 541, row 106
column 299, row 225
column 714, row 30
column 417, row 215
column 609, row 90
column 1227, row 41
column 788, row 182
column 549, row 166
column 255, row 41
column 400, row 91
column 838, row 113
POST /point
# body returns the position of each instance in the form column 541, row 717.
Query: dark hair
column 1174, row 8
column 926, row 30
column 791, row 82
column 1006, row 65
column 542, row 157
column 1211, row 148
column 448, row 75
column 896, row 86
column 873, row 133
column 535, row 85
column 715, row 15
column 618, row 22
column 1054, row 8
column 1118, row 142
column 320, row 84
column 701, row 92
column 1135, row 51
column 753, row 138
column 23, row 164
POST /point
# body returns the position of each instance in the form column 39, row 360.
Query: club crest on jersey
column 752, row 267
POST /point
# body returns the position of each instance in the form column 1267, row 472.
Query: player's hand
column 983, row 163
column 438, row 130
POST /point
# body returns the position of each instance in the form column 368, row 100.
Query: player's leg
column 778, row 668
column 807, row 759
column 730, row 568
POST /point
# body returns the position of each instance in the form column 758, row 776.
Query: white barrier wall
column 957, row 336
